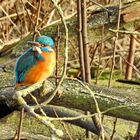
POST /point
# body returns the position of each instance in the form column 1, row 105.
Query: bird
column 37, row 63
column 34, row 66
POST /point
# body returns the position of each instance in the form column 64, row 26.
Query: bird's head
column 44, row 43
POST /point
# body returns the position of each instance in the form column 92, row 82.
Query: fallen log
column 112, row 102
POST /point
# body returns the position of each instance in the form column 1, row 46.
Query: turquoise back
column 24, row 63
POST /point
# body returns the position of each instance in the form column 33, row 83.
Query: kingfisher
column 37, row 63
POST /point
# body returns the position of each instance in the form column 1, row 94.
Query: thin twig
column 138, row 72
column 103, row 68
column 41, row 110
column 57, row 53
column 51, row 16
column 20, row 124
column 137, row 135
column 115, row 44
column 136, row 39
column 100, row 54
column 94, row 51
column 13, row 15
column 100, row 5
column 64, row 126
column 114, row 129
column 37, row 17
column 124, row 32
column 80, row 41
column 28, row 13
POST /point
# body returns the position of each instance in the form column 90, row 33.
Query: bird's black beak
column 34, row 43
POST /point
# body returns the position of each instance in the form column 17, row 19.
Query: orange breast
column 42, row 70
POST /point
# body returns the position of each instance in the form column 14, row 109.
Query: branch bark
column 131, row 56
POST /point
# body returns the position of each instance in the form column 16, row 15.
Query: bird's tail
column 20, row 86
column 17, row 86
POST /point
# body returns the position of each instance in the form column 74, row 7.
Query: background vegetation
column 108, row 50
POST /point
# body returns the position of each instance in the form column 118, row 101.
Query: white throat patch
column 35, row 48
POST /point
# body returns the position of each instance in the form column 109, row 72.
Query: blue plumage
column 25, row 62
column 45, row 50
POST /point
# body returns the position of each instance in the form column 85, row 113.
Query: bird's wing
column 24, row 63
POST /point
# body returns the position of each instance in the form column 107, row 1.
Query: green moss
column 106, row 74
column 124, row 128
column 32, row 126
column 118, row 85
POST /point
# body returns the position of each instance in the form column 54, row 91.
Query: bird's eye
column 43, row 45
